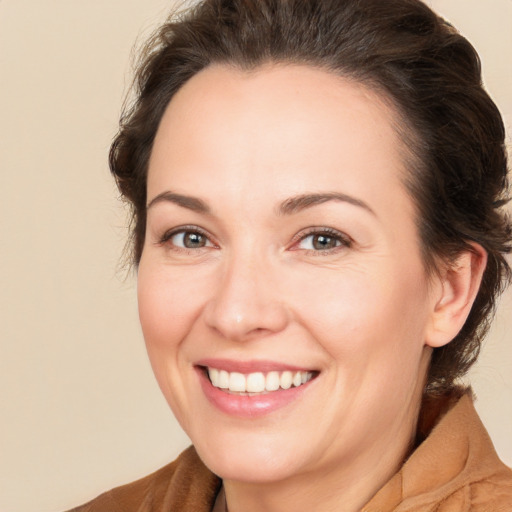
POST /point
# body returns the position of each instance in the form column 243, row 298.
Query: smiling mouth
column 257, row 383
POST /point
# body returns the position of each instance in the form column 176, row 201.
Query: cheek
column 168, row 303
column 167, row 311
column 366, row 318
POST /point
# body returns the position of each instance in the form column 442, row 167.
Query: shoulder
column 455, row 467
column 184, row 484
column 474, row 479
column 494, row 493
column 491, row 494
column 487, row 481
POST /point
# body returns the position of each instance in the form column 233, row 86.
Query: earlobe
column 456, row 289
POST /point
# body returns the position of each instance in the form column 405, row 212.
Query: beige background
column 80, row 411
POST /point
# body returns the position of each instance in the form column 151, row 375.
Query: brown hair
column 453, row 130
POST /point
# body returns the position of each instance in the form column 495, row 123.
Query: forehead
column 298, row 95
column 293, row 126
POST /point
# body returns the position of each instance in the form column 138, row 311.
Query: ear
column 455, row 291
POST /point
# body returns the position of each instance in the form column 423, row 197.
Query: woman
column 316, row 190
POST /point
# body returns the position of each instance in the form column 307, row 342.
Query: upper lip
column 246, row 367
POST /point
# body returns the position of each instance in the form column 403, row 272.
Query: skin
column 364, row 314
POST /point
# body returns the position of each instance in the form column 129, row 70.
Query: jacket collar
column 454, row 451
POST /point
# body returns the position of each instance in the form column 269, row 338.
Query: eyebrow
column 298, row 203
column 290, row 206
column 191, row 203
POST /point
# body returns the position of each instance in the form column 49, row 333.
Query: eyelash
column 166, row 237
column 344, row 241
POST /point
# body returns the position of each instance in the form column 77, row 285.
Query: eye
column 324, row 240
column 189, row 240
column 186, row 239
column 319, row 242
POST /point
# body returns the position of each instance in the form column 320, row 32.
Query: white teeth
column 223, row 379
column 237, row 382
column 257, row 382
column 272, row 381
column 213, row 373
column 286, row 380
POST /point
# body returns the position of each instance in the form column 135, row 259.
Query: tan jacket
column 454, row 469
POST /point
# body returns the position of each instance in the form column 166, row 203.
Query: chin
column 249, row 459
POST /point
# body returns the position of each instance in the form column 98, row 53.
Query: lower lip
column 249, row 406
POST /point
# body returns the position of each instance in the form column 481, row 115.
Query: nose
column 246, row 302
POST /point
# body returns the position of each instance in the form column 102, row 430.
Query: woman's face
column 282, row 252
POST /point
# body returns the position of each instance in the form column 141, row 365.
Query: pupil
column 323, row 242
column 193, row 240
